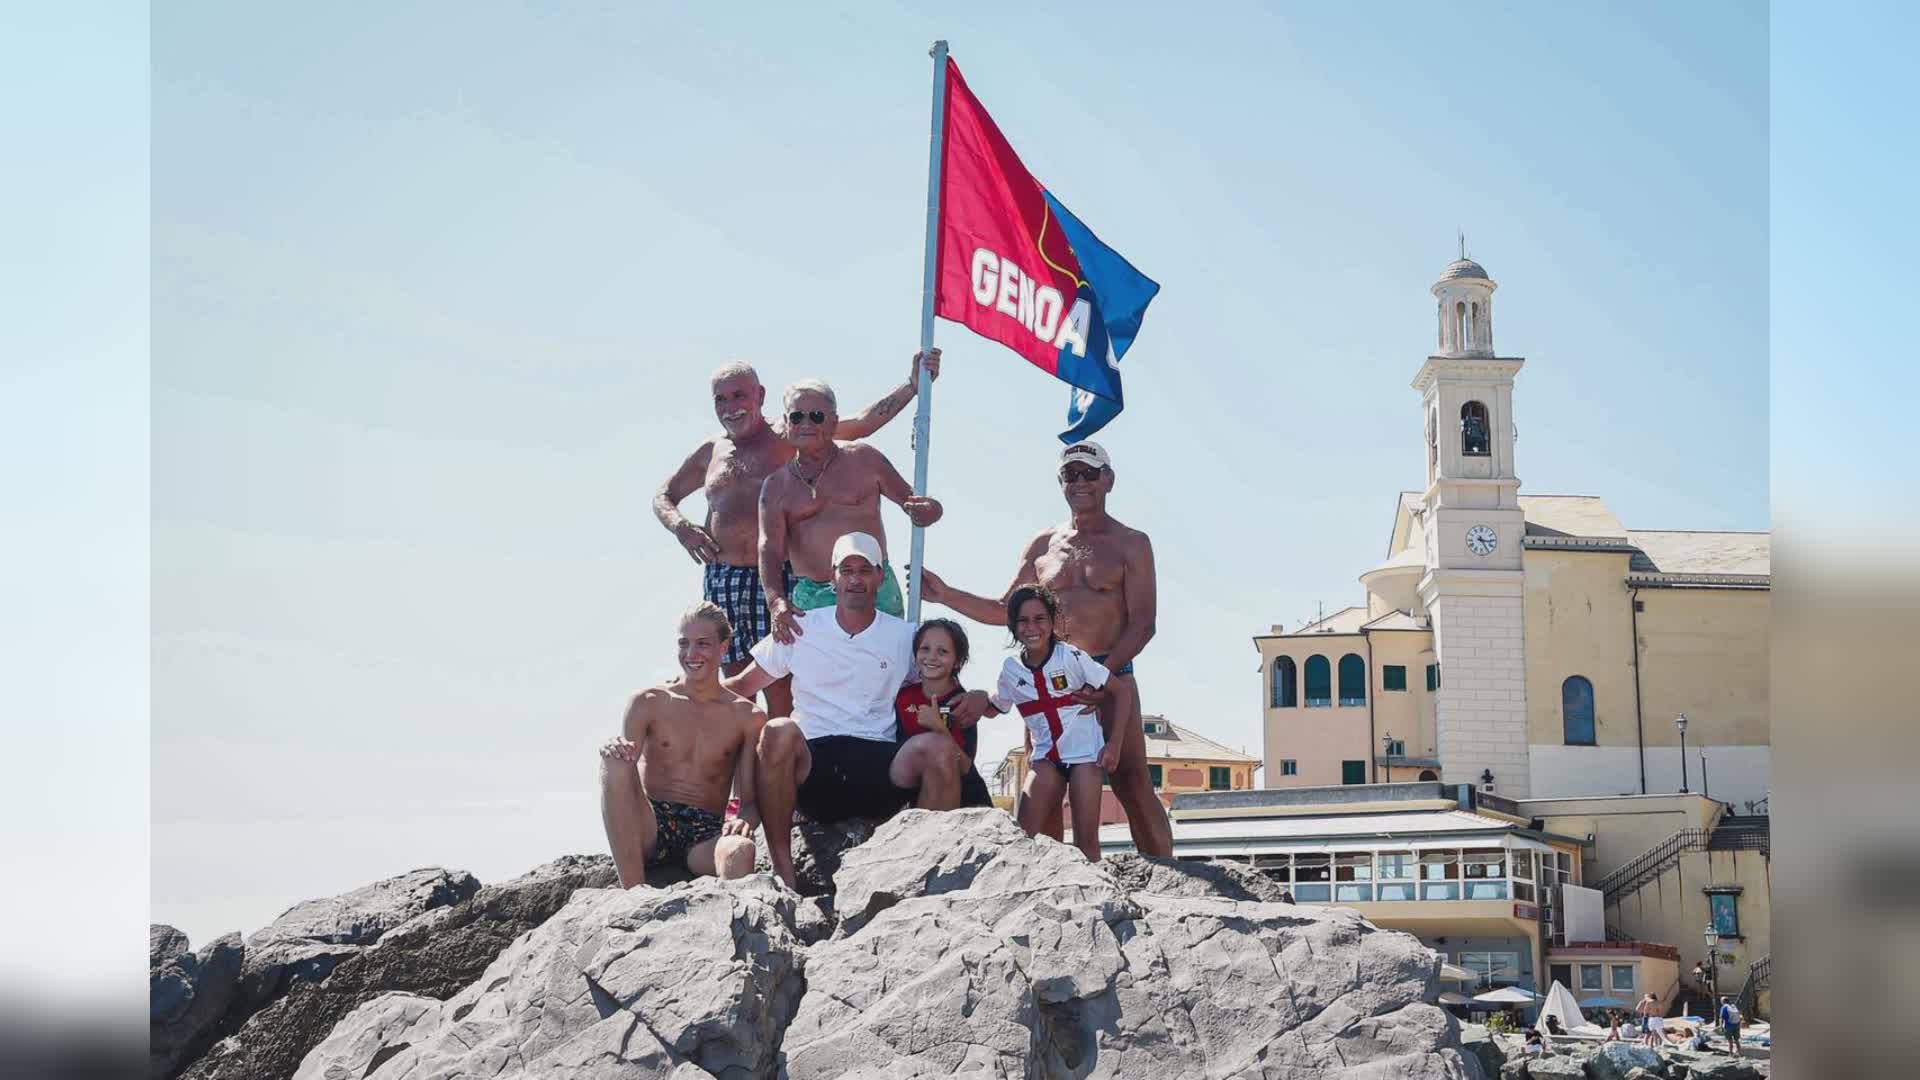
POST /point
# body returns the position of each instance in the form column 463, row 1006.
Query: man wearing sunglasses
column 1102, row 573
column 730, row 468
column 828, row 490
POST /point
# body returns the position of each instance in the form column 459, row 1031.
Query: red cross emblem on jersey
column 1050, row 705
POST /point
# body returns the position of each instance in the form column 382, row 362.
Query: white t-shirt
column 843, row 684
column 1063, row 730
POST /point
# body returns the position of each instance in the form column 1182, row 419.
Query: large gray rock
column 1479, row 1044
column 360, row 916
column 1721, row 1067
column 817, row 850
column 640, row 983
column 435, row 954
column 310, row 939
column 1555, row 1067
column 962, row 946
column 188, row 993
column 1614, row 1060
column 1183, row 877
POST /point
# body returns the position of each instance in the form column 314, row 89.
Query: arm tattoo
column 892, row 402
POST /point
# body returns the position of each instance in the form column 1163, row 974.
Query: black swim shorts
column 849, row 779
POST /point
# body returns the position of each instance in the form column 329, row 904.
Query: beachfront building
column 1180, row 760
column 1528, row 645
column 1595, row 893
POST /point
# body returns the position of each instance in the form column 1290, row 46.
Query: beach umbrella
column 1454, row 997
column 1508, row 995
column 1456, row 973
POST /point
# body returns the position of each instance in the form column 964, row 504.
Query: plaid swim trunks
column 737, row 590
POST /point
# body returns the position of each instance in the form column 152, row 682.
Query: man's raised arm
column 985, row 610
column 687, row 479
column 633, row 730
column 875, row 416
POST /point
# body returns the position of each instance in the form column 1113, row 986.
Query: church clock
column 1481, row 539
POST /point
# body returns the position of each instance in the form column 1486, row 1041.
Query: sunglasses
column 797, row 415
column 1073, row 474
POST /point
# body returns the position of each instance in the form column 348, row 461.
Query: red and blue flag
column 1017, row 267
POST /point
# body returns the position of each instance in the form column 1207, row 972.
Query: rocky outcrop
column 1615, row 1060
column 435, row 953
column 817, row 850
column 961, row 946
column 632, row 983
column 1479, row 1043
column 188, row 993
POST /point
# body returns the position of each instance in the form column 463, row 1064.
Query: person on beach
column 685, row 745
column 827, row 490
column 1054, row 686
column 1102, row 571
column 837, row 757
column 939, row 652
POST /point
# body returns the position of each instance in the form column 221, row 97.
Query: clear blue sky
column 436, row 288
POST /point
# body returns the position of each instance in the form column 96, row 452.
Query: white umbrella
column 1561, row 1004
column 1454, row 997
column 1508, row 995
column 1456, row 973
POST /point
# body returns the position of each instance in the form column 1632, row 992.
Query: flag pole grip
column 923, row 413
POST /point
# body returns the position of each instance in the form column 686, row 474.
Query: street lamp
column 1713, row 969
column 1386, row 751
column 1681, row 723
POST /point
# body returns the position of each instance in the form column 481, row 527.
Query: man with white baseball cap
column 836, row 757
column 1102, row 573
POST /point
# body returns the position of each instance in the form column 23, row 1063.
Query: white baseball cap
column 857, row 543
column 1090, row 453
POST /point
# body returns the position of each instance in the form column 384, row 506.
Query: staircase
column 1734, row 833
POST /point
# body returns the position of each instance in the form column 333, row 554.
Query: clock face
column 1481, row 539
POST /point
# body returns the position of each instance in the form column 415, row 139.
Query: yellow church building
column 1532, row 646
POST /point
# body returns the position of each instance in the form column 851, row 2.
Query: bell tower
column 1473, row 584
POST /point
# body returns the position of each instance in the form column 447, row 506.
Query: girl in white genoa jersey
column 1055, row 687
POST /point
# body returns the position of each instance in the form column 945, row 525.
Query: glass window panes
column 1353, row 772
column 1725, row 910
column 1523, row 865
column 1523, row 890
column 1219, row 777
column 1353, row 866
column 1395, row 865
column 1319, row 681
column 1623, row 978
column 1393, row 677
column 1561, row 973
column 1495, row 969
column 1289, row 767
column 1312, row 875
column 1590, row 976
column 1353, row 680
column 1153, row 775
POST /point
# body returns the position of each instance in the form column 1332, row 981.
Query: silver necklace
column 812, row 488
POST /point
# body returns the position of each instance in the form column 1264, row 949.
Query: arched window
column 1285, row 690
column 1460, row 338
column 1429, row 774
column 1353, row 680
column 1319, row 682
column 1476, row 439
column 1576, row 710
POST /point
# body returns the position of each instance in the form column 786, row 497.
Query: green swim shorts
column 808, row 594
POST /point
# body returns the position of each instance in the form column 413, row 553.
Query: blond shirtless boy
column 686, row 745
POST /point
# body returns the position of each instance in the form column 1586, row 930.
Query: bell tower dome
column 1465, row 295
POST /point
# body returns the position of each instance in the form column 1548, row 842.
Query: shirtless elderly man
column 694, row 743
column 730, row 467
column 827, row 490
column 1102, row 573
column 837, row 756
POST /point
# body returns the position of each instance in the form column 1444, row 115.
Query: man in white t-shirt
column 836, row 757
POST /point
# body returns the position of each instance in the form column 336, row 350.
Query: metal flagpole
column 923, row 415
